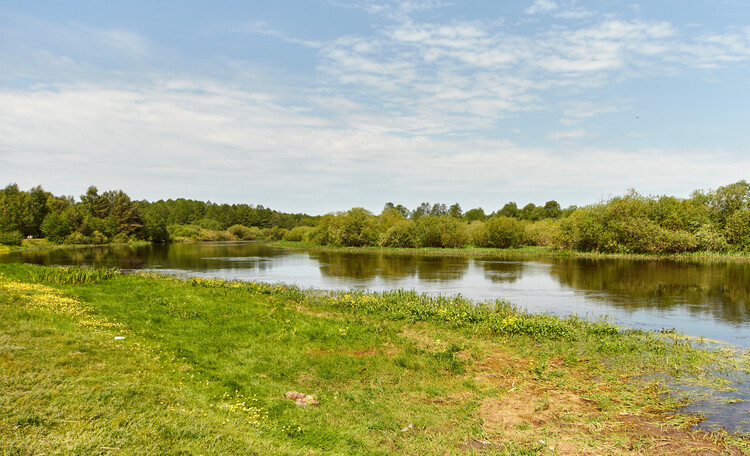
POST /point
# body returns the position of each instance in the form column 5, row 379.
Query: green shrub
column 710, row 239
column 356, row 228
column 403, row 234
column 738, row 229
column 541, row 233
column 582, row 230
column 121, row 238
column 245, row 233
column 429, row 232
column 98, row 238
column 676, row 241
column 11, row 238
column 184, row 231
column 213, row 235
column 78, row 238
column 321, row 234
column 298, row 234
column 452, row 232
column 500, row 232
column 275, row 233
column 441, row 231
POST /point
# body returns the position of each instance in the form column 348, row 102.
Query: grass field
column 95, row 362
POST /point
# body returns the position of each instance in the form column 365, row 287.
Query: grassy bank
column 510, row 253
column 46, row 244
column 93, row 362
column 520, row 252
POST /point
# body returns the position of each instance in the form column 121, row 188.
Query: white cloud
column 263, row 28
column 577, row 133
column 541, row 6
column 205, row 140
column 398, row 10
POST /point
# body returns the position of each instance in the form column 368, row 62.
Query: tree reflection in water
column 721, row 289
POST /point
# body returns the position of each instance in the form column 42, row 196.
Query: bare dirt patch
column 535, row 414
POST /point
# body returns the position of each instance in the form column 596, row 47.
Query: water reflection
column 502, row 271
column 718, row 289
column 390, row 268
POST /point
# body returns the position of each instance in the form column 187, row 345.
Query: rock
column 301, row 398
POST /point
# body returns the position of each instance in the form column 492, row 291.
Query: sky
column 319, row 106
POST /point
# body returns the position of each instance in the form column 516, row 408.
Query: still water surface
column 708, row 300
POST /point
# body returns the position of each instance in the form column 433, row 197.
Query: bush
column 711, row 239
column 11, row 238
column 452, row 232
column 403, row 234
column 322, row 233
column 472, row 231
column 245, row 233
column 355, row 228
column 298, row 234
column 98, row 238
column 78, row 238
column 275, row 233
column 428, row 232
column 541, row 233
column 675, row 242
column 121, row 238
column 500, row 232
column 738, row 229
column 184, row 231
column 212, row 235
column 582, row 230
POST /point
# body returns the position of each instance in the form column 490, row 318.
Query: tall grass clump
column 70, row 275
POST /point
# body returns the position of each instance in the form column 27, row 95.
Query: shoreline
column 521, row 252
column 526, row 252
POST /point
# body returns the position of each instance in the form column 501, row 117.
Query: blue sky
column 319, row 106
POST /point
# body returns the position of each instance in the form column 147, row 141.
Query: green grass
column 205, row 364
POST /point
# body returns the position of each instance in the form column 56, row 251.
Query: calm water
column 709, row 300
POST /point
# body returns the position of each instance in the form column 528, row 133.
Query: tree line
column 713, row 220
column 111, row 216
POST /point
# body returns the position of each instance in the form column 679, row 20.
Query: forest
column 713, row 220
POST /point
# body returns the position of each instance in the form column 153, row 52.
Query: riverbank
column 40, row 244
column 469, row 251
column 104, row 363
column 518, row 253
